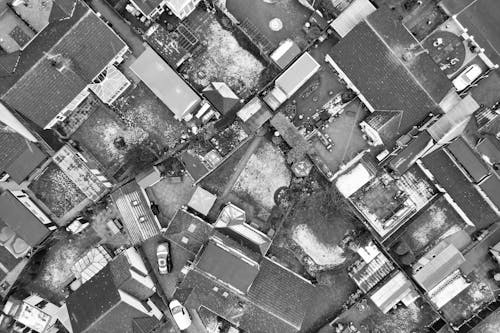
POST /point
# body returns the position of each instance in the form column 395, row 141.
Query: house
column 286, row 52
column 154, row 72
column 251, row 292
column 135, row 210
column 34, row 314
column 232, row 221
column 152, row 8
column 19, row 157
column 114, row 301
column 393, row 75
column 468, row 160
column 291, row 80
column 221, row 97
column 55, row 71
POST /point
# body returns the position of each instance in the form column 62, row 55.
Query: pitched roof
column 413, row 151
column 21, row 220
column 489, row 149
column 439, row 267
column 463, row 193
column 391, row 292
column 98, row 306
column 221, row 96
column 227, row 265
column 136, row 213
column 491, row 187
column 466, row 157
column 19, row 157
column 391, row 70
column 202, row 200
column 83, row 45
column 281, row 293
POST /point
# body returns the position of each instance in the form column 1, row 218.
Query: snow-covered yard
column 57, row 191
column 225, row 60
column 265, row 172
column 322, row 254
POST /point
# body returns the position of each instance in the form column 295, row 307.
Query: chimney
column 60, row 62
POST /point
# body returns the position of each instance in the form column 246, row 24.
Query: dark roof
column 409, row 155
column 8, row 62
column 391, row 70
column 459, row 188
column 227, row 265
column 491, row 186
column 21, row 220
column 144, row 324
column 37, row 89
column 489, row 148
column 186, row 226
column 19, row 157
column 466, row 157
column 221, row 97
column 281, row 293
column 6, row 258
column 97, row 307
column 194, row 165
column 134, row 206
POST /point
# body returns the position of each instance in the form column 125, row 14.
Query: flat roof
column 202, row 201
column 166, row 84
column 297, row 74
column 228, row 265
column 391, row 292
column 351, row 16
column 466, row 157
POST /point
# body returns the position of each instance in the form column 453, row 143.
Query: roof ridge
column 399, row 60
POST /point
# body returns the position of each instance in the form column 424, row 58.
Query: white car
column 465, row 78
column 180, row 314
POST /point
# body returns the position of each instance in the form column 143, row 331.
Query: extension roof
column 37, row 89
column 221, row 96
column 393, row 72
column 20, row 220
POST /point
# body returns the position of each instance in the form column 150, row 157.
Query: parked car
column 164, row 258
column 180, row 314
column 468, row 76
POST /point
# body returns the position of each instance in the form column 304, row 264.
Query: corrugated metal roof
column 392, row 292
column 135, row 211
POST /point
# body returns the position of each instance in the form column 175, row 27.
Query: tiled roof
column 281, row 293
column 21, row 220
column 87, row 46
column 391, row 69
column 18, row 157
column 188, row 231
column 136, row 213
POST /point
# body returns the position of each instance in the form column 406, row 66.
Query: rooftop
column 491, row 187
column 469, row 160
column 19, row 157
column 154, row 72
column 37, row 89
column 229, row 266
column 406, row 157
column 386, row 63
column 21, row 220
column 188, row 231
column 297, row 74
column 135, row 210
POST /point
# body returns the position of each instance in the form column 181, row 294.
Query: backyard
column 421, row 20
column 57, row 191
column 224, row 57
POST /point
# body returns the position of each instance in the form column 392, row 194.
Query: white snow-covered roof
column 354, row 14
column 352, row 181
column 448, row 289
